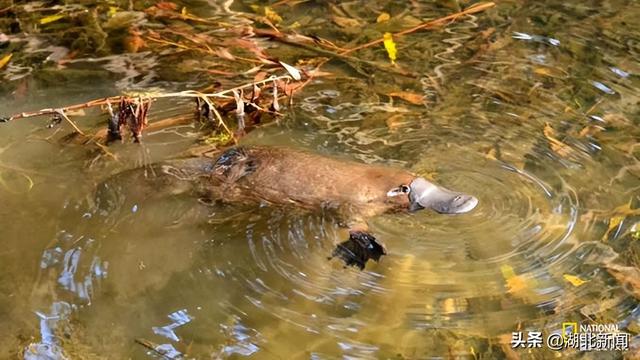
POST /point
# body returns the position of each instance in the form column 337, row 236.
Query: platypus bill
column 284, row 176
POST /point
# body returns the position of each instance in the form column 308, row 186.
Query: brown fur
column 285, row 176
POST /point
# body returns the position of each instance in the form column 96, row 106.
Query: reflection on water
column 533, row 108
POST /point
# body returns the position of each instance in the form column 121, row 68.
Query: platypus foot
column 360, row 247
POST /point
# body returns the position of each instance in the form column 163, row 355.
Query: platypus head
column 426, row 195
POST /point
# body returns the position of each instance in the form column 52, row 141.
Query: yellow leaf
column 542, row 71
column 184, row 11
column 272, row 15
column 574, row 280
column 383, row 17
column 491, row 154
column 619, row 214
column 390, row 46
column 515, row 283
column 5, row 60
column 614, row 222
column 112, row 11
column 51, row 18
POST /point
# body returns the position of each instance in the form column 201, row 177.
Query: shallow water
column 532, row 107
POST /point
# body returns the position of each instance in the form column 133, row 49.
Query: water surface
column 530, row 106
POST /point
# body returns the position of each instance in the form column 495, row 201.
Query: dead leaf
column 628, row 276
column 383, row 17
column 167, row 5
column 5, row 60
column 390, row 46
column 491, row 154
column 133, row 43
column 345, row 22
column 112, row 11
column 590, row 130
column 394, row 122
column 318, row 73
column 295, row 73
column 272, row 15
column 224, row 54
column 550, row 72
column 556, row 145
column 51, row 18
column 515, row 283
column 574, row 280
column 261, row 75
column 416, row 99
column 619, row 214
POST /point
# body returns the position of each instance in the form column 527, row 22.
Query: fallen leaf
column 295, row 73
column 556, row 145
column 614, row 222
column 224, row 54
column 550, row 72
column 133, row 43
column 5, row 60
column 390, row 46
column 491, row 154
column 51, row 18
column 574, row 280
column 394, row 122
column 416, row 99
column 515, row 283
column 272, row 15
column 112, row 11
column 542, row 71
column 383, row 17
column 345, row 22
column 167, row 5
column 619, row 214
column 628, row 276
column 261, row 75
column 590, row 130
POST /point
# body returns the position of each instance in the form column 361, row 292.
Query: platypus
column 285, row 176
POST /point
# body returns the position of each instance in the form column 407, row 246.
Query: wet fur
column 283, row 176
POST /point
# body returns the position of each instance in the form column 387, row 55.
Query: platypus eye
column 402, row 189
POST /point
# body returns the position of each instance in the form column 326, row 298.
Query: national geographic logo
column 589, row 337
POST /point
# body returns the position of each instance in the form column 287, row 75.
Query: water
column 533, row 108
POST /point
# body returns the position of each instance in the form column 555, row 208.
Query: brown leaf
column 416, row 99
column 249, row 45
column 224, row 53
column 133, row 43
column 628, row 276
column 394, row 122
column 167, row 5
column 261, row 75
column 556, row 145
